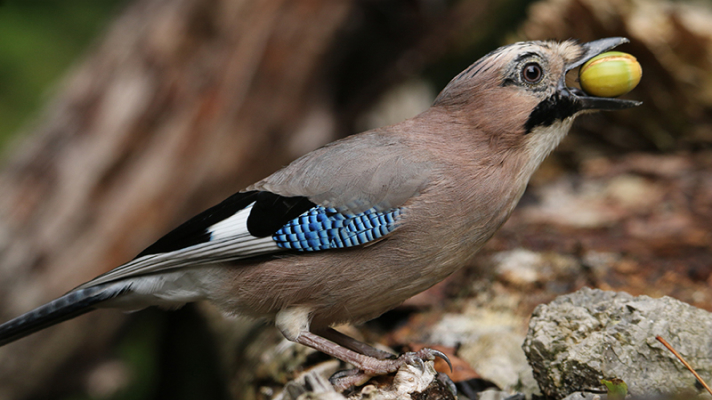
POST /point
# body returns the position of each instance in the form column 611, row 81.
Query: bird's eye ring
column 532, row 73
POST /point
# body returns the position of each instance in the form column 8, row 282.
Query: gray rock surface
column 582, row 337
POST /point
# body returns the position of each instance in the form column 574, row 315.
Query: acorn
column 610, row 74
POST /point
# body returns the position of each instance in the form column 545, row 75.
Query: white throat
column 541, row 141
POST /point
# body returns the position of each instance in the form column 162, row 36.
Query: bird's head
column 517, row 94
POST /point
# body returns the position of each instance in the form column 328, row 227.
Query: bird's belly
column 352, row 285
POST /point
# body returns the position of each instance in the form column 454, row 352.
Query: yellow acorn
column 610, row 74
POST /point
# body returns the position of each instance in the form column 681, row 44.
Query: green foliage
column 617, row 389
column 39, row 41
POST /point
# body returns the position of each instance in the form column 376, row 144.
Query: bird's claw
column 342, row 380
column 355, row 377
column 430, row 354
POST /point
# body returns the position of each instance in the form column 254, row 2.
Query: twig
column 679, row 357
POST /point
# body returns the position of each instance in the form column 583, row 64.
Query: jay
column 352, row 229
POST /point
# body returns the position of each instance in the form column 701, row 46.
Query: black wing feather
column 272, row 211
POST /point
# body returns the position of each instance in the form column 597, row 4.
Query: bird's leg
column 355, row 345
column 294, row 325
column 369, row 365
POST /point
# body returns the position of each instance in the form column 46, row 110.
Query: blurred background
column 120, row 119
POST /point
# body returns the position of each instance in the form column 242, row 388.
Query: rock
column 489, row 340
column 519, row 267
column 498, row 358
column 568, row 201
column 524, row 268
column 580, row 338
column 633, row 193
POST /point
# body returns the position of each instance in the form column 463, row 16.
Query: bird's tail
column 72, row 304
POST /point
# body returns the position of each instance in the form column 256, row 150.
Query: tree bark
column 171, row 112
column 180, row 104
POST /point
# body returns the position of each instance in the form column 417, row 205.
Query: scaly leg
column 353, row 344
column 368, row 366
column 294, row 325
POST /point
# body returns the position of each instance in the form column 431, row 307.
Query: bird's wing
column 370, row 170
column 336, row 197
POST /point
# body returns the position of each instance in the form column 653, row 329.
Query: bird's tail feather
column 70, row 305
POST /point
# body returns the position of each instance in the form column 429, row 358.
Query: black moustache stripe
column 554, row 108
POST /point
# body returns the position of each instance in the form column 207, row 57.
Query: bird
column 356, row 227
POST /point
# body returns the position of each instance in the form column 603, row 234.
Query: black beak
column 581, row 99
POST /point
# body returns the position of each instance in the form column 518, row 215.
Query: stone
column 580, row 338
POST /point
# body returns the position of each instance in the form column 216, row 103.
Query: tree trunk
column 180, row 104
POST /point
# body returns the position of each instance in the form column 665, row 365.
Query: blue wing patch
column 321, row 228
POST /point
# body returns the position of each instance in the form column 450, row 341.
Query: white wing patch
column 234, row 226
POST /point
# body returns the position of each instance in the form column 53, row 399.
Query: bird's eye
column 532, row 73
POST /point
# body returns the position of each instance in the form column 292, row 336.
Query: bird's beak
column 579, row 97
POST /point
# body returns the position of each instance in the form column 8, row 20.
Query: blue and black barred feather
column 323, row 228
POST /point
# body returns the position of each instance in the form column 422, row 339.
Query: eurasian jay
column 352, row 229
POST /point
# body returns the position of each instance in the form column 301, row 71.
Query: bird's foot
column 342, row 380
column 427, row 354
column 374, row 367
